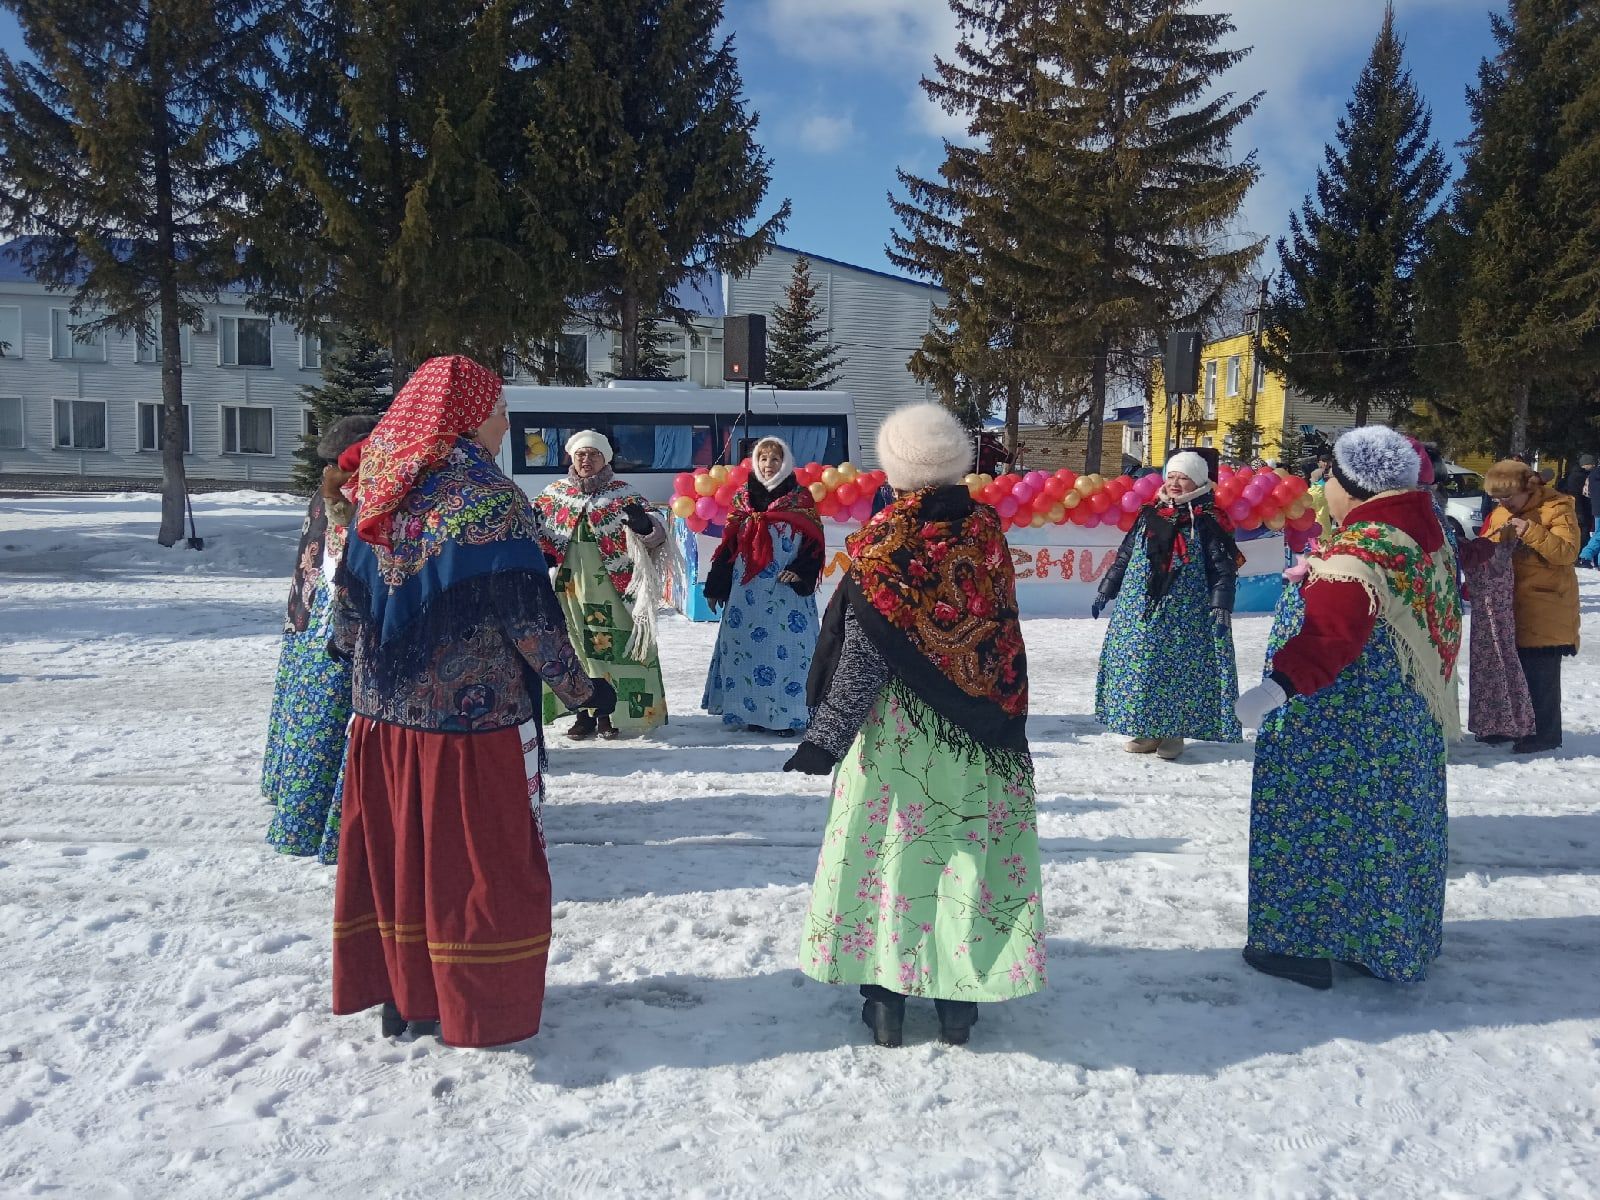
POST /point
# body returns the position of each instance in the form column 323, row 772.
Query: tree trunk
column 1013, row 416
column 628, row 334
column 1095, row 426
column 1363, row 410
column 174, row 484
column 1519, row 417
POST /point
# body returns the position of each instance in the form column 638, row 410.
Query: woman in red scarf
column 764, row 577
column 442, row 904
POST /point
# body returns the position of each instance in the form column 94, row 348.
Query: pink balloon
column 861, row 510
column 1024, row 492
column 1036, row 479
column 1091, row 520
column 1239, row 509
column 1130, row 502
column 842, row 516
column 1007, row 508
column 1148, row 486
column 705, row 508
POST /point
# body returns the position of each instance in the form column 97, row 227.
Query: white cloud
column 891, row 34
column 823, row 134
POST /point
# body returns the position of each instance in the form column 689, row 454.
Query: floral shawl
column 755, row 511
column 931, row 584
column 1411, row 591
column 565, row 503
column 464, row 553
column 307, row 566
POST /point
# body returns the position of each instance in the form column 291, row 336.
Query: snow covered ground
column 165, row 1029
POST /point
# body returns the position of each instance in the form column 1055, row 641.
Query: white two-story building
column 89, row 405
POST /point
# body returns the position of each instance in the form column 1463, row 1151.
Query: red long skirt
column 442, row 903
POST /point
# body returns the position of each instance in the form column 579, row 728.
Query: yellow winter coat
column 1546, row 601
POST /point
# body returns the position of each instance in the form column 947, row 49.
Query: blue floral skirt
column 1171, row 674
column 764, row 647
column 1348, row 820
column 302, row 771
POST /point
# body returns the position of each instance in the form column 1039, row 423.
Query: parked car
column 1466, row 504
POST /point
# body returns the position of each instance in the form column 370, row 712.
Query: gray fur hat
column 1374, row 458
column 344, row 433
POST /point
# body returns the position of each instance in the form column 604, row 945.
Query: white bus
column 657, row 429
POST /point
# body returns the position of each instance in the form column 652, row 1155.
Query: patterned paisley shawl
column 462, row 553
column 931, row 584
column 1414, row 594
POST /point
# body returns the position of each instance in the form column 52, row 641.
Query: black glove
column 1098, row 606
column 638, row 518
column 811, row 759
column 604, row 701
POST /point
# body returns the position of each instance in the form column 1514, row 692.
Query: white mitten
column 1256, row 703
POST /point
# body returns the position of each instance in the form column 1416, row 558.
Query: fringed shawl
column 931, row 584
column 461, row 553
column 1412, row 592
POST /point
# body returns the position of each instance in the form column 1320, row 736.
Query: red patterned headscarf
column 446, row 398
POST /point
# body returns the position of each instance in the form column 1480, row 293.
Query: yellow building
column 1234, row 387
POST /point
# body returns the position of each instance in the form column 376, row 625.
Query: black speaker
column 744, row 349
column 1181, row 369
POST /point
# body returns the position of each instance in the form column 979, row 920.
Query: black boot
column 390, row 1021
column 423, row 1028
column 583, row 727
column 1312, row 972
column 956, row 1019
column 884, row 1013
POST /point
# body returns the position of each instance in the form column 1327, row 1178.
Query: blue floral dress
column 763, row 655
column 302, row 771
column 1171, row 674
column 1347, row 817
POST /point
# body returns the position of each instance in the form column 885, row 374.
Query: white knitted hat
column 1374, row 458
column 923, row 445
column 589, row 439
column 1187, row 462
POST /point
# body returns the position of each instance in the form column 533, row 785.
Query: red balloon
column 1067, row 477
column 991, row 494
column 1250, row 522
column 683, row 483
column 1126, row 520
column 1099, row 502
column 1244, row 475
column 846, row 494
column 724, row 494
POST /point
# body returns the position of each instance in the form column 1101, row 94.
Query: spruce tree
column 1088, row 220
column 1512, row 291
column 118, row 148
column 653, row 360
column 639, row 112
column 1342, row 314
column 356, row 379
column 387, row 198
column 799, row 356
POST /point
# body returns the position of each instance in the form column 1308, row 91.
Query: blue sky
column 835, row 82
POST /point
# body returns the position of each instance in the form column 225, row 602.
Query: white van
column 658, row 429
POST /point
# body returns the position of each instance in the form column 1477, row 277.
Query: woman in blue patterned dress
column 1167, row 669
column 302, row 770
column 764, row 577
column 1347, row 808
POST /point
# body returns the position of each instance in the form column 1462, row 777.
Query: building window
column 1261, row 376
column 1233, row 375
column 151, row 423
column 308, row 426
column 1206, row 442
column 705, row 359
column 80, row 424
column 1211, row 391
column 69, row 340
column 310, row 352
column 11, row 423
column 246, row 430
column 150, row 352
column 245, row 342
column 10, row 332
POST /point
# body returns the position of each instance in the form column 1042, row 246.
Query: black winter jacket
column 1217, row 551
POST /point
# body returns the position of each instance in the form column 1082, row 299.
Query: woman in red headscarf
column 442, row 905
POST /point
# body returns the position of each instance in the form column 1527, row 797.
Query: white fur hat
column 589, row 439
column 923, row 445
column 1187, row 462
column 1374, row 458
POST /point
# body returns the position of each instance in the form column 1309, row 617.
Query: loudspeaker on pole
column 1180, row 370
column 744, row 349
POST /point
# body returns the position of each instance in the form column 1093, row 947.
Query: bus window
column 813, row 439
column 669, row 443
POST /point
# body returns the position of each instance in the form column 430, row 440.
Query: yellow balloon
column 719, row 473
column 1037, row 520
column 1058, row 513
column 848, row 471
column 831, row 477
column 682, row 506
column 704, row 485
column 1072, row 499
column 973, row 488
column 1298, row 508
column 986, row 477
column 973, row 481
column 818, row 490
column 1276, row 522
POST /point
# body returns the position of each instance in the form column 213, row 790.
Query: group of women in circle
column 463, row 618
